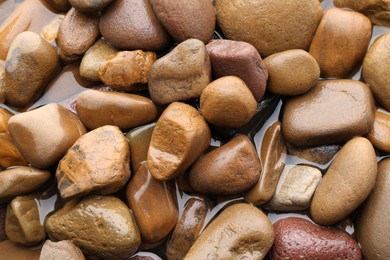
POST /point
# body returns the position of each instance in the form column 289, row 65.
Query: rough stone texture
column 62, row 250
column 182, row 74
column 379, row 135
column 131, row 25
column 297, row 238
column 154, row 205
column 374, row 70
column 127, row 70
column 315, row 154
column 230, row 169
column 101, row 226
column 94, row 57
column 291, row 72
column 77, row 32
column 185, row 21
column 20, row 181
column 97, row 108
column 97, row 162
column 346, row 184
column 294, row 193
column 31, row 62
column 270, row 26
column 241, row 59
column 11, row 251
column 241, row 231
column 227, row 102
column 340, row 42
column 50, row 31
column 89, row 5
column 372, row 227
column 22, row 223
column 273, row 158
column 179, row 138
column 333, row 111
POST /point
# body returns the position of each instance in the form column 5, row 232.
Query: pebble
column 295, row 191
column 20, row 181
column 188, row 228
column 89, row 6
column 333, row 111
column 98, row 162
column 374, row 73
column 127, row 70
column 273, row 158
column 291, row 72
column 50, row 31
column 31, row 63
column 184, row 21
column 41, row 130
column 322, row 154
column 340, row 42
column 94, row 57
column 297, row 238
column 22, row 224
column 379, row 135
column 182, row 74
column 241, row 231
column 101, row 226
column 62, row 250
column 179, row 138
column 230, row 169
column 132, row 25
column 153, row 203
column 373, row 227
column 346, row 184
column 62, row 5
column 264, row 23
column 241, row 59
column 228, row 102
column 11, row 251
column 77, row 32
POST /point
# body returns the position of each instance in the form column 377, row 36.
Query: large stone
column 346, row 184
column 379, row 135
column 97, row 162
column 182, row 74
column 270, row 26
column 62, row 250
column 51, row 130
column 333, row 111
column 101, row 226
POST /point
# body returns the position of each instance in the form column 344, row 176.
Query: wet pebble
column 89, row 5
column 61, row 250
column 379, row 135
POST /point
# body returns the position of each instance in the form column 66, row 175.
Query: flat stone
column 346, row 184
column 332, row 112
column 379, row 135
column 41, row 130
column 98, row 162
column 179, row 138
column 182, row 74
column 62, row 250
column 87, row 6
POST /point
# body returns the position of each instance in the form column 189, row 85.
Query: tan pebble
column 50, row 31
column 379, row 135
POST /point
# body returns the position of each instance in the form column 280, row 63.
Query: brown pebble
column 379, row 135
column 322, row 154
column 62, row 250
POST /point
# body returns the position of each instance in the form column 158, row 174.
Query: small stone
column 315, row 154
column 346, row 184
column 94, row 57
column 228, row 102
column 62, row 5
column 294, row 193
column 101, row 226
column 340, row 42
column 11, row 251
column 241, row 59
column 41, row 130
column 62, row 250
column 132, row 25
column 30, row 64
column 182, row 74
column 179, row 138
column 297, row 238
column 379, row 135
column 50, row 31
column 87, row 6
column 22, row 224
column 127, row 70
column 230, row 169
column 97, row 162
column 77, row 32
column 241, row 231
column 291, row 72
column 184, row 21
column 20, row 181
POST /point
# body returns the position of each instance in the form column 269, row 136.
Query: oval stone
column 379, row 135
column 230, row 169
column 87, row 6
column 346, row 184
column 331, row 112
column 61, row 250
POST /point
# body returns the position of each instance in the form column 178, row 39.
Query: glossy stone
column 379, row 135
column 322, row 154
column 179, row 138
column 11, row 251
column 89, row 5
column 61, row 250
